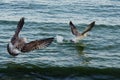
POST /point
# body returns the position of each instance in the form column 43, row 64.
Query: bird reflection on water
column 80, row 47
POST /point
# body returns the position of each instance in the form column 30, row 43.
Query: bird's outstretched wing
column 38, row 44
column 90, row 26
column 18, row 29
column 74, row 29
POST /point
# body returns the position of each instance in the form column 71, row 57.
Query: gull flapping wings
column 19, row 44
column 76, row 32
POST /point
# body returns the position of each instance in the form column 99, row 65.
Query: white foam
column 59, row 38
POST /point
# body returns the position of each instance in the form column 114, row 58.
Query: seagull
column 20, row 44
column 78, row 35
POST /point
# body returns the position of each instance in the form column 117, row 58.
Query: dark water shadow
column 80, row 48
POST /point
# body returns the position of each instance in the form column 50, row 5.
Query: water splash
column 59, row 39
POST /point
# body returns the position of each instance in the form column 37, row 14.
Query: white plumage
column 13, row 49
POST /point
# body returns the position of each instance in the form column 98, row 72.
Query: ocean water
column 96, row 57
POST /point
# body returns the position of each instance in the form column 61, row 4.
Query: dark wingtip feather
column 51, row 39
column 93, row 23
column 22, row 20
column 70, row 23
column 21, row 23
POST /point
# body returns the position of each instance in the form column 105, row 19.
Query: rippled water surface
column 93, row 58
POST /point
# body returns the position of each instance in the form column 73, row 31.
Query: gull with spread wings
column 78, row 35
column 19, row 44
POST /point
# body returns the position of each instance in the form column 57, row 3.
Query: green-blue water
column 96, row 57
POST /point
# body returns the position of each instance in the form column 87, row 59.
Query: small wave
column 59, row 71
column 4, row 22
